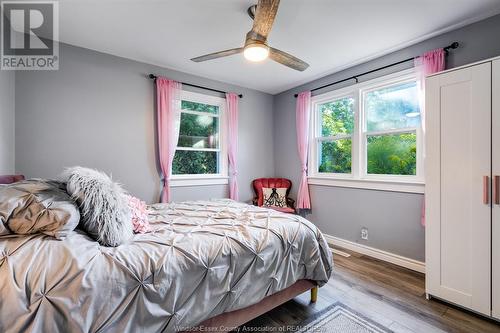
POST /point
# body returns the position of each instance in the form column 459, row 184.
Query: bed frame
column 225, row 321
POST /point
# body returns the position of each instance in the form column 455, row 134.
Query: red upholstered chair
column 259, row 183
column 9, row 179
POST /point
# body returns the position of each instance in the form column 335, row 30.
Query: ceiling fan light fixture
column 255, row 48
column 256, row 52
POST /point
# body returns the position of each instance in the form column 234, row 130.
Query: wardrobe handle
column 486, row 180
column 496, row 183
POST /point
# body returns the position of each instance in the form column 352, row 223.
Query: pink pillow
column 139, row 215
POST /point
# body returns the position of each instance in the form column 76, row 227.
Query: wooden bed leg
column 314, row 294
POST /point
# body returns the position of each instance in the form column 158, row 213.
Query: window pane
column 198, row 131
column 392, row 107
column 188, row 162
column 200, row 107
column 392, row 154
column 337, row 117
column 335, row 156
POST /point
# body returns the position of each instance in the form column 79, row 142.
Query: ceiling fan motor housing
column 254, row 38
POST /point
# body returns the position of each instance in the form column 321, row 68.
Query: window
column 369, row 135
column 200, row 155
column 337, row 129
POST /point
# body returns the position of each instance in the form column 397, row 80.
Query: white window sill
column 182, row 181
column 370, row 184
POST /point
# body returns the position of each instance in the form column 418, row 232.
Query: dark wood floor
column 389, row 294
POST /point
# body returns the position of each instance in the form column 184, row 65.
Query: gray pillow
column 37, row 206
column 105, row 213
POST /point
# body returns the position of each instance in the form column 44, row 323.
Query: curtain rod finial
column 452, row 46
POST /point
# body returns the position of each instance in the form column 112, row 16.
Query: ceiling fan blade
column 287, row 59
column 264, row 17
column 219, row 54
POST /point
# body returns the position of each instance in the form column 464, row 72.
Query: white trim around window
column 359, row 178
column 198, row 180
column 222, row 177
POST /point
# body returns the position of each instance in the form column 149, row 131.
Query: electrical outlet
column 364, row 233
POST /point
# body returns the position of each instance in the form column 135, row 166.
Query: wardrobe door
column 458, row 172
column 496, row 191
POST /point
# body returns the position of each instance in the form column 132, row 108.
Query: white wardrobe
column 462, row 196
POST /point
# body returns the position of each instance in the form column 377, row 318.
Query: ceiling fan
column 256, row 48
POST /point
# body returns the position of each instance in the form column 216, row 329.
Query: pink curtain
column 232, row 143
column 427, row 64
column 168, row 94
column 302, row 120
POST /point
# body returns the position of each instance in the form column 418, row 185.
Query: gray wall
column 393, row 219
column 7, row 111
column 98, row 111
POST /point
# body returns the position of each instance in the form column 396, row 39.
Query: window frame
column 220, row 178
column 359, row 177
column 317, row 137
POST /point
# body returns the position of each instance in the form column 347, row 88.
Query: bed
column 206, row 263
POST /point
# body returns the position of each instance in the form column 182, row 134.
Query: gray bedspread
column 202, row 259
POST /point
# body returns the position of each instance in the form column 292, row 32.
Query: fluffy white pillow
column 105, row 212
column 274, row 197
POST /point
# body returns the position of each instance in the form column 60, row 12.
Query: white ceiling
column 328, row 34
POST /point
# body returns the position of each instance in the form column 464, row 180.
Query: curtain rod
column 453, row 45
column 154, row 77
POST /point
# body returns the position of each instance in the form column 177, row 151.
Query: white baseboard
column 412, row 264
